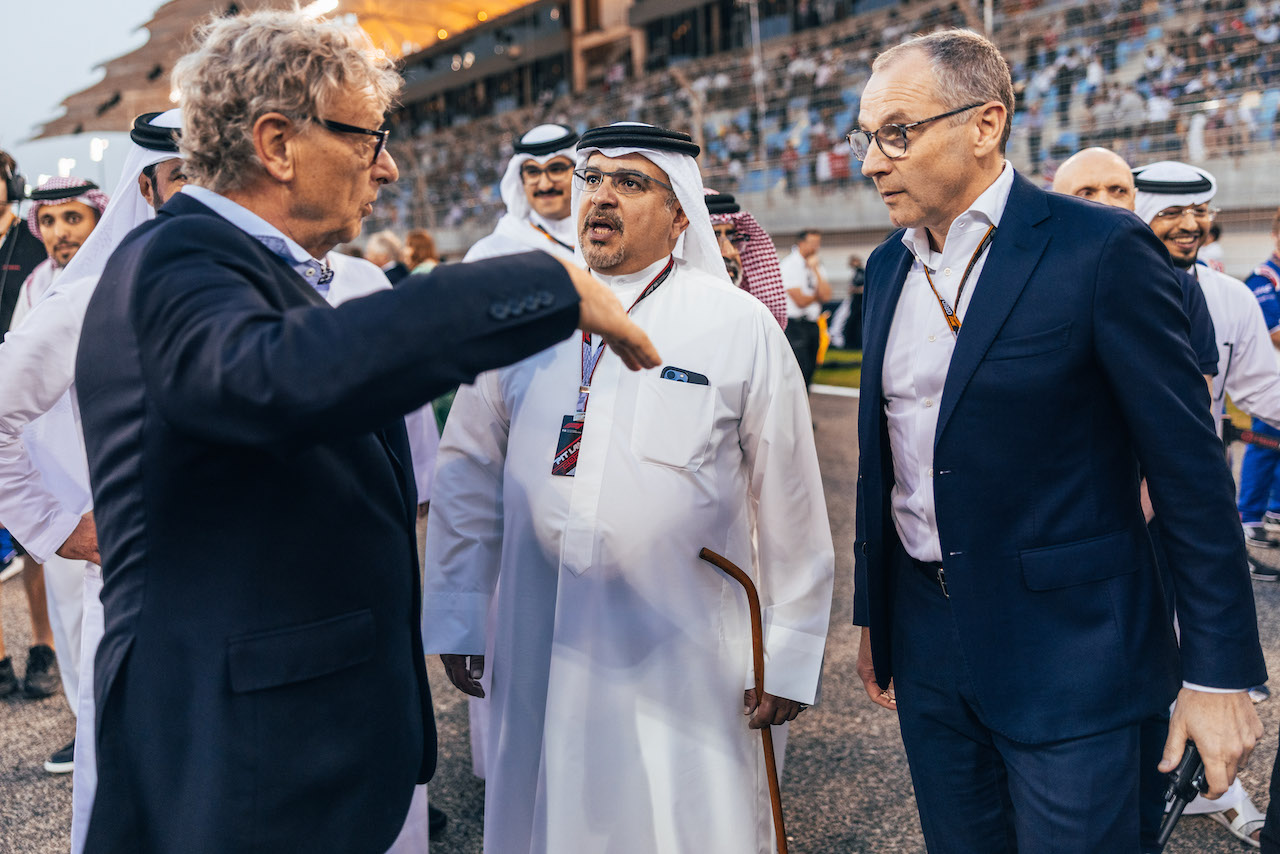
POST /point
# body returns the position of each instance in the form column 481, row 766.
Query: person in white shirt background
column 807, row 289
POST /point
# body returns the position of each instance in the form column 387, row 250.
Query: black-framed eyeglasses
column 1197, row 211
column 557, row 171
column 380, row 135
column 892, row 139
column 625, row 181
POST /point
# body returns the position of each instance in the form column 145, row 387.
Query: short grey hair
column 967, row 68
column 266, row 62
column 385, row 243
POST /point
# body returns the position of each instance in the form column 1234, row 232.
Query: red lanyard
column 591, row 359
column 953, row 320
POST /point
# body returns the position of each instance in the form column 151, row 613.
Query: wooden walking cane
column 757, row 655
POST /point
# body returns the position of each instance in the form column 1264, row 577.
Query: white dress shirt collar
column 985, row 211
column 245, row 220
column 304, row 264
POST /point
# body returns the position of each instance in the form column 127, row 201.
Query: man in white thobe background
column 536, row 191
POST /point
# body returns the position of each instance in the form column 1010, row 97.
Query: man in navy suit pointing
column 257, row 691
column 1026, row 362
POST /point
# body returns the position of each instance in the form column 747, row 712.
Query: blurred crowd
column 1160, row 78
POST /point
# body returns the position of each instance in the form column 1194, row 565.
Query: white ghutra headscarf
column 153, row 140
column 672, row 152
column 543, row 143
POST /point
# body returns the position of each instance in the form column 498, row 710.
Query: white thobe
column 618, row 657
column 34, row 289
column 44, row 489
column 512, row 236
column 1247, row 369
column 64, row 579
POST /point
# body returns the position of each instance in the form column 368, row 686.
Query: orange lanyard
column 953, row 319
column 551, row 237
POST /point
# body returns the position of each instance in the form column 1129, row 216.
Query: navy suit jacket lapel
column 395, row 441
column 1015, row 251
column 883, row 290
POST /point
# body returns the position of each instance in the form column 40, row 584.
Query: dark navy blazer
column 261, row 684
column 1071, row 374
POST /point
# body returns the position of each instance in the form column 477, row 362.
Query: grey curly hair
column 269, row 61
column 967, row 68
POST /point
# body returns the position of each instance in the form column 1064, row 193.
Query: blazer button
column 499, row 311
column 545, row 298
column 864, row 548
column 532, row 303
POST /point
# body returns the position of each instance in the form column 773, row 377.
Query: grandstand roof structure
column 138, row 82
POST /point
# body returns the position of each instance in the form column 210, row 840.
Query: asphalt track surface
column 846, row 787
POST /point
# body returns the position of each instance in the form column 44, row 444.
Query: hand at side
column 82, row 543
column 464, row 671
column 1224, row 727
column 771, row 712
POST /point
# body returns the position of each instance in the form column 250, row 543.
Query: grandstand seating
column 1154, row 79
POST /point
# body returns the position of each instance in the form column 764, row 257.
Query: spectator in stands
column 385, row 251
column 790, row 160
column 1035, row 133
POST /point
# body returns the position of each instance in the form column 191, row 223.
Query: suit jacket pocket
column 296, row 653
column 1080, row 562
column 673, row 421
column 1034, row 344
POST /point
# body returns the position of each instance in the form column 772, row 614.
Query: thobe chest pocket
column 672, row 425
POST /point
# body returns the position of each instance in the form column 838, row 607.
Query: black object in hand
column 1185, row 782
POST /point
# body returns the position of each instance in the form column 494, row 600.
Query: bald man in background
column 1100, row 175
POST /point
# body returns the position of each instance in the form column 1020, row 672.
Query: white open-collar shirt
column 918, row 354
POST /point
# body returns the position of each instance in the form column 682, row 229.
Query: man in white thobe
column 583, row 496
column 44, row 478
column 536, row 191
